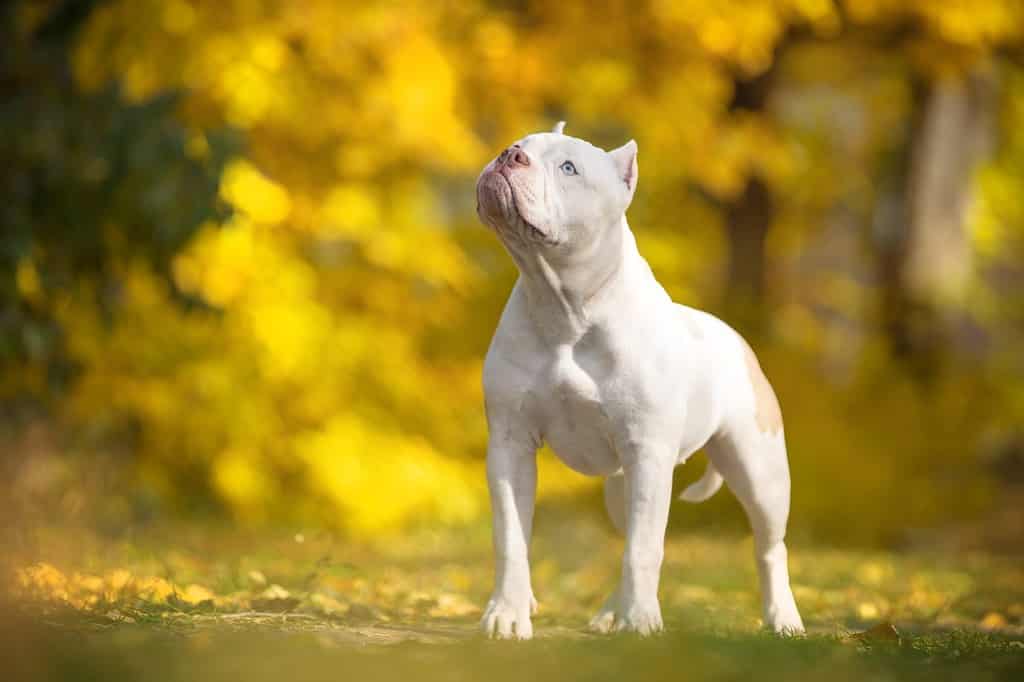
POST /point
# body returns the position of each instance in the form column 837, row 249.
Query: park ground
column 211, row 602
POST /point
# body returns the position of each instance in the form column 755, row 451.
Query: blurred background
column 241, row 275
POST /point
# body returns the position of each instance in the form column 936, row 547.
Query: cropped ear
column 624, row 159
column 559, row 127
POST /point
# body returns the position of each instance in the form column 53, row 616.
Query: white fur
column 593, row 357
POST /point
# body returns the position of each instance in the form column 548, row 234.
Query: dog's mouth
column 497, row 207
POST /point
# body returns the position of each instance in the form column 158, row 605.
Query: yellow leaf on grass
column 193, row 594
column 329, row 605
column 275, row 592
column 87, row 583
column 44, row 580
column 453, row 605
column 154, row 589
column 993, row 620
column 883, row 632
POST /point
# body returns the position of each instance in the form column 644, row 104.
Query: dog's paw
column 603, row 621
column 506, row 618
column 643, row 619
column 784, row 621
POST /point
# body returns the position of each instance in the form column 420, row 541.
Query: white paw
column 604, row 621
column 641, row 618
column 784, row 620
column 506, row 618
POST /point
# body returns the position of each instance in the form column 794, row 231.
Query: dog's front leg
column 634, row 607
column 512, row 479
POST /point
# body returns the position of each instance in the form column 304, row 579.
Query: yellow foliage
column 253, row 194
column 352, row 292
column 962, row 22
column 350, row 210
column 26, row 278
column 243, row 483
column 381, row 482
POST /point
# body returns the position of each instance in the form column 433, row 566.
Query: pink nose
column 515, row 156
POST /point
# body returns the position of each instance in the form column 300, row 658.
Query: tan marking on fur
column 769, row 416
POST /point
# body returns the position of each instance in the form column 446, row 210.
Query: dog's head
column 552, row 190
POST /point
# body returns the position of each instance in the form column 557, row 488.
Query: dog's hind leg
column 754, row 465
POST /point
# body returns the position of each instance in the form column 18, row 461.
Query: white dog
column 593, row 357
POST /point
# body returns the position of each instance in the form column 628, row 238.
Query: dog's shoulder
column 514, row 355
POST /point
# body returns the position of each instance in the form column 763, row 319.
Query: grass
column 210, row 603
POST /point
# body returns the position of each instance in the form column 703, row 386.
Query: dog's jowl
column 593, row 357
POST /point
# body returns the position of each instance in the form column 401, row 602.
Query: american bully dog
column 592, row 357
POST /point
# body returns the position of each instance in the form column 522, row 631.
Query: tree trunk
column 953, row 135
column 924, row 245
column 748, row 218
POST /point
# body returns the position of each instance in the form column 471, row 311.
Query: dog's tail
column 707, row 486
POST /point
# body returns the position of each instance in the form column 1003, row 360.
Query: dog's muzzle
column 495, row 203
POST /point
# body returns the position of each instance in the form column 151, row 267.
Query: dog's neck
column 566, row 289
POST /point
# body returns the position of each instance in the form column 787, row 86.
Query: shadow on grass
column 88, row 650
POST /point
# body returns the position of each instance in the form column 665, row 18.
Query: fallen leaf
column 118, row 579
column 453, row 605
column 87, row 583
column 195, row 594
column 328, row 604
column 882, row 633
column 275, row 591
column 275, row 599
column 993, row 620
column 154, row 589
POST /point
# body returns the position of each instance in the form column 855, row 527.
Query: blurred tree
column 924, row 250
column 925, row 253
column 749, row 215
column 925, row 261
column 350, row 274
column 88, row 180
column 332, row 369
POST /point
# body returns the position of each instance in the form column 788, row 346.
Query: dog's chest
column 574, row 397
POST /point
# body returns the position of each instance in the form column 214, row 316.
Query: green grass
column 210, row 603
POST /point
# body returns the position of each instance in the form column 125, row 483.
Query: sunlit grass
column 708, row 582
column 262, row 603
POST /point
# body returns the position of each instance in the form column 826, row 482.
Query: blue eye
column 568, row 168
